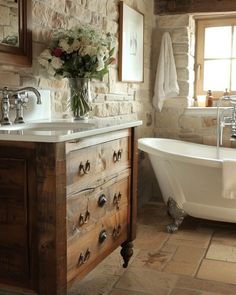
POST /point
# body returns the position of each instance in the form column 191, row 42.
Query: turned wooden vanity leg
column 126, row 252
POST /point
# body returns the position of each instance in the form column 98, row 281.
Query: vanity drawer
column 94, row 165
column 88, row 248
column 87, row 207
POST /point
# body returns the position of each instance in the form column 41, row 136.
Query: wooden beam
column 193, row 6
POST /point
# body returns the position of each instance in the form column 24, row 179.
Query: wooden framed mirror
column 16, row 32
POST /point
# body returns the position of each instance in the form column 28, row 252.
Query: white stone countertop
column 62, row 130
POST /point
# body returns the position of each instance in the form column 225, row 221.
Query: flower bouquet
column 79, row 54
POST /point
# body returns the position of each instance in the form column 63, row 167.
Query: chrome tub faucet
column 224, row 119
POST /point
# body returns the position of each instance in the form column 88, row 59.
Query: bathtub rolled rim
column 145, row 145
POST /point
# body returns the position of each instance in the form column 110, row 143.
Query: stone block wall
column 181, row 29
column 111, row 98
column 178, row 118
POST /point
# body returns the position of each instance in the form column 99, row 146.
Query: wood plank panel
column 186, row 6
column 51, row 218
column 17, row 200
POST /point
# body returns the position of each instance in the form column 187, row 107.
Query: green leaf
column 111, row 52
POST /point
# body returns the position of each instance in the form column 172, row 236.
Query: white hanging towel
column 228, row 179
column 166, row 84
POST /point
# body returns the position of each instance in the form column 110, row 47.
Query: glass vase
column 80, row 97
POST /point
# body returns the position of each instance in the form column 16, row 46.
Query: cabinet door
column 17, row 216
column 13, row 219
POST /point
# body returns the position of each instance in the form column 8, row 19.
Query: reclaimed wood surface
column 42, row 197
column 17, row 215
column 186, row 6
column 103, row 164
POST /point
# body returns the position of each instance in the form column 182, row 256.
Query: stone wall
column 181, row 29
column 177, row 119
column 111, row 98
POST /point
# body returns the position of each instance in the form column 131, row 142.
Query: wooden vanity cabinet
column 65, row 207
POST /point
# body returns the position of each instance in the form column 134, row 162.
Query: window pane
column 233, row 85
column 218, row 42
column 234, row 42
column 216, row 75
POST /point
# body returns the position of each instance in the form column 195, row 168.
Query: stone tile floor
column 200, row 259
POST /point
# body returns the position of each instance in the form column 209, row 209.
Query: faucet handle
column 23, row 98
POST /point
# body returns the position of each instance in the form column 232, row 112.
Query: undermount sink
column 49, row 126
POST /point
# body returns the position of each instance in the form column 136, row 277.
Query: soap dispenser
column 209, row 99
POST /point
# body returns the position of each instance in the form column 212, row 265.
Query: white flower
column 51, row 71
column 106, row 53
column 44, row 62
column 100, row 57
column 63, row 44
column 56, row 63
column 75, row 45
column 100, row 66
column 45, row 58
column 84, row 50
column 100, row 54
column 46, row 54
column 91, row 50
column 68, row 46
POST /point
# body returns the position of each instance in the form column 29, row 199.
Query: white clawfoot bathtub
column 191, row 174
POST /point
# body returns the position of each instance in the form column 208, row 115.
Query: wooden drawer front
column 13, row 219
column 86, row 208
column 92, row 166
column 91, row 247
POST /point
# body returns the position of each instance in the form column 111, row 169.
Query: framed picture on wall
column 130, row 44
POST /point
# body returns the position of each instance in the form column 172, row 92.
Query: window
column 216, row 56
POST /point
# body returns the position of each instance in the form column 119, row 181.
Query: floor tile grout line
column 204, row 256
column 171, row 256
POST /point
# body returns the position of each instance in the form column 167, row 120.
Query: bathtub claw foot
column 171, row 228
column 176, row 213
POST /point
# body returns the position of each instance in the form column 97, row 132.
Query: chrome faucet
column 5, row 107
column 20, row 99
column 224, row 119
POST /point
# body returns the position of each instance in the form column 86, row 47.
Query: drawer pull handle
column 83, row 219
column 87, row 216
column 102, row 200
column 84, row 169
column 116, row 231
column 83, row 258
column 87, row 255
column 116, row 200
column 117, row 156
column 102, row 236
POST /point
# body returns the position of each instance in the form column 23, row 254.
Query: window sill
column 202, row 111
